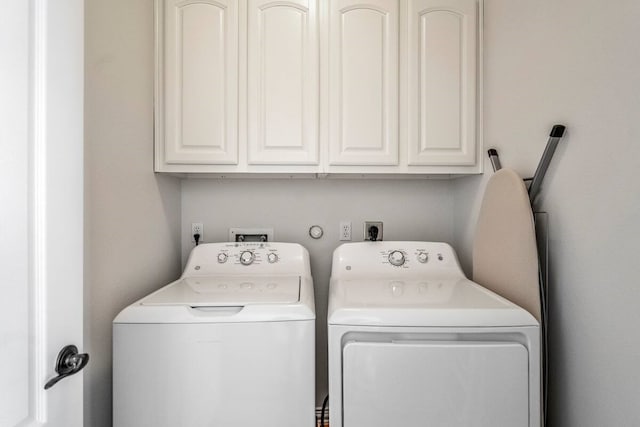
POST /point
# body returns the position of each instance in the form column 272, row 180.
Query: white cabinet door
column 442, row 73
column 198, row 53
column 283, row 82
column 363, row 82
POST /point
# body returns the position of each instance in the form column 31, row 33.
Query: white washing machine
column 229, row 344
column 413, row 343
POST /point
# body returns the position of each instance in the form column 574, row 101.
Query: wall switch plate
column 345, row 230
column 370, row 232
column 197, row 228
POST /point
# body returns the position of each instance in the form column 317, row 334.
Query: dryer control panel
column 260, row 258
column 369, row 259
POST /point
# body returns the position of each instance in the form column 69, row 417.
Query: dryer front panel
column 435, row 383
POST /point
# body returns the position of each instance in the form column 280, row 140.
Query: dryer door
column 435, row 383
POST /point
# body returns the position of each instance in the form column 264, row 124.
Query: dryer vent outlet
column 373, row 230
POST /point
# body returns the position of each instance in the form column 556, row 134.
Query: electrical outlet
column 345, row 230
column 371, row 233
column 197, row 228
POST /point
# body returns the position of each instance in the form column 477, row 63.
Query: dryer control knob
column 423, row 257
column 272, row 257
column 246, row 257
column 222, row 257
column 396, row 258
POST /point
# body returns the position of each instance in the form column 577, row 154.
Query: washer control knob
column 396, row 258
column 272, row 257
column 222, row 257
column 423, row 257
column 247, row 257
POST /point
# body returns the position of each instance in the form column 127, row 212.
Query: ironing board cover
column 505, row 256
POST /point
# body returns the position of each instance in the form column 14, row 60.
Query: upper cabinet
column 316, row 87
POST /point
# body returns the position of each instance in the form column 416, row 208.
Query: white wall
column 575, row 62
column 132, row 216
column 409, row 209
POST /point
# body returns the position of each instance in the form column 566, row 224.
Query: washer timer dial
column 246, row 257
column 396, row 258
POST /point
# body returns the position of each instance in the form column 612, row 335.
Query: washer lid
column 421, row 302
column 227, row 291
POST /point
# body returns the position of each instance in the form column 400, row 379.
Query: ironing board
column 505, row 256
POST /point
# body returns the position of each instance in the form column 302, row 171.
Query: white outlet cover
column 345, row 231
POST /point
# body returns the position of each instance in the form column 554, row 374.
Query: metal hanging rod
column 554, row 137
column 557, row 132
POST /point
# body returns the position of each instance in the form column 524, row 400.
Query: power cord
column 196, row 237
column 324, row 407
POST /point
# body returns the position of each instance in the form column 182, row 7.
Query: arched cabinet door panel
column 442, row 73
column 283, row 82
column 198, row 78
column 363, row 82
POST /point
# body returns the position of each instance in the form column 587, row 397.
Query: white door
column 41, row 219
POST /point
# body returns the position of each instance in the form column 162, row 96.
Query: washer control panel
column 247, row 257
column 371, row 258
column 247, row 254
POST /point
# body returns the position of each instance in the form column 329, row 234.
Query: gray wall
column 409, row 209
column 575, row 62
column 132, row 242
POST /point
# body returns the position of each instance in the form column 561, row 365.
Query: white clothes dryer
column 231, row 343
column 413, row 342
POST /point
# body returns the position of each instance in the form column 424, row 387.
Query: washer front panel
column 223, row 375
